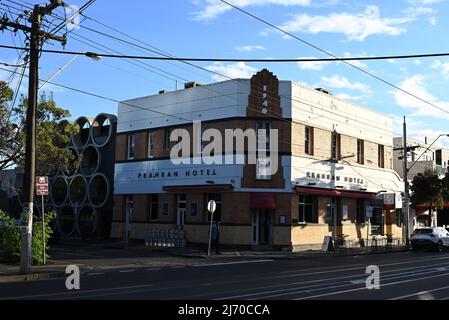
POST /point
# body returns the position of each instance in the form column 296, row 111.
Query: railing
column 167, row 238
column 374, row 242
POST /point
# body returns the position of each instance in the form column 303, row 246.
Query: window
column 307, row 209
column 165, row 209
column 193, row 209
column 336, row 146
column 263, row 169
column 217, row 198
column 360, row 151
column 381, row 156
column 150, row 144
column 167, row 139
column 153, row 206
column 131, row 146
column 308, row 141
column 263, row 136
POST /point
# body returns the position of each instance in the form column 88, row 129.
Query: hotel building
column 334, row 167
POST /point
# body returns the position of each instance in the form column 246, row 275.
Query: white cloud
column 442, row 67
column 250, row 48
column 348, row 97
column 213, row 8
column 356, row 63
column 425, row 2
column 353, row 26
column 235, row 70
column 415, row 85
column 417, row 62
column 340, row 82
column 312, row 65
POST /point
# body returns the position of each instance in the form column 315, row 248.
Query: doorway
column 181, row 210
column 262, row 225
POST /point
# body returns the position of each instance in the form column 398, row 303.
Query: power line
column 337, row 59
column 334, row 56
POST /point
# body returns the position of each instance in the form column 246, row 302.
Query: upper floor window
column 335, row 146
column 131, row 147
column 308, row 141
column 381, row 156
column 167, row 139
column 263, row 136
column 360, row 151
column 150, row 144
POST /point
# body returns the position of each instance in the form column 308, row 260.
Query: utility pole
column 36, row 38
column 406, row 208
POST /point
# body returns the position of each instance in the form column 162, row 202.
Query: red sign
column 42, row 186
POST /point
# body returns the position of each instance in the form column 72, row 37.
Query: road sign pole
column 210, row 233
column 43, row 230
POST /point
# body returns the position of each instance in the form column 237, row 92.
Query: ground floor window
column 307, row 209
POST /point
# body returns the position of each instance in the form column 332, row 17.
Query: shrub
column 10, row 236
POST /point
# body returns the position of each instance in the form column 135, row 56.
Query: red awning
column 336, row 193
column 209, row 188
column 263, row 200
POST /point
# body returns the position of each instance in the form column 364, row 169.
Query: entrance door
column 181, row 217
column 262, row 226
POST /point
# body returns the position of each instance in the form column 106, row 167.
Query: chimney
column 192, row 84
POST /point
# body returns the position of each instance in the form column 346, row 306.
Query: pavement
column 112, row 255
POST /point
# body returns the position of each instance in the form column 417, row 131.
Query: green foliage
column 11, row 238
column 52, row 133
column 426, row 189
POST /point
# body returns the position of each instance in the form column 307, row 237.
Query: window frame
column 308, row 140
column 131, row 146
column 302, row 203
column 335, row 147
column 150, row 145
column 381, row 156
column 360, row 151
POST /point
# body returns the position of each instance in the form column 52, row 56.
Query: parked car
column 436, row 238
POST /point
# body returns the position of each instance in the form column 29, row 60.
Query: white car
column 436, row 238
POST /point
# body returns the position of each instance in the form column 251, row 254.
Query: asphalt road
column 403, row 275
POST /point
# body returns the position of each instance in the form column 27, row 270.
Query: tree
column 53, row 132
column 426, row 189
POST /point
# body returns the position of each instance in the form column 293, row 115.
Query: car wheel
column 439, row 247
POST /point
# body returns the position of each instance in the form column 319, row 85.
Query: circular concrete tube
column 99, row 189
column 81, row 139
column 87, row 220
column 58, row 191
column 78, row 191
column 73, row 166
column 101, row 131
column 90, row 161
column 66, row 221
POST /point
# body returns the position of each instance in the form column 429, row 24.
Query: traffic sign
column 211, row 206
column 42, row 186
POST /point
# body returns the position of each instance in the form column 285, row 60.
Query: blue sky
column 208, row 28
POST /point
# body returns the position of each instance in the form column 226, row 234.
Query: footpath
column 109, row 255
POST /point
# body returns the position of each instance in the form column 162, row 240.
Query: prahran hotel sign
column 176, row 174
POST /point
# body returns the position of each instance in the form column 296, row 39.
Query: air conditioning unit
column 192, row 84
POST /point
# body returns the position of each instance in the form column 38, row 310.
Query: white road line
column 419, row 293
column 153, row 269
column 95, row 274
column 390, row 272
column 286, row 292
column 229, row 263
column 126, row 271
column 179, row 267
column 364, row 288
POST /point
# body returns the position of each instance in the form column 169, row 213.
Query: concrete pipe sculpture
column 99, row 190
column 73, row 166
column 90, row 161
column 102, row 128
column 82, row 137
column 59, row 191
column 87, row 221
column 66, row 221
column 78, row 191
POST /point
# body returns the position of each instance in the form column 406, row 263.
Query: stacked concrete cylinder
column 82, row 194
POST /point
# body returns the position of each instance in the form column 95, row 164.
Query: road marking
column 358, row 281
column 442, row 269
column 153, row 269
column 95, row 274
column 178, row 267
column 229, row 263
column 419, row 293
column 126, row 271
column 364, row 288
